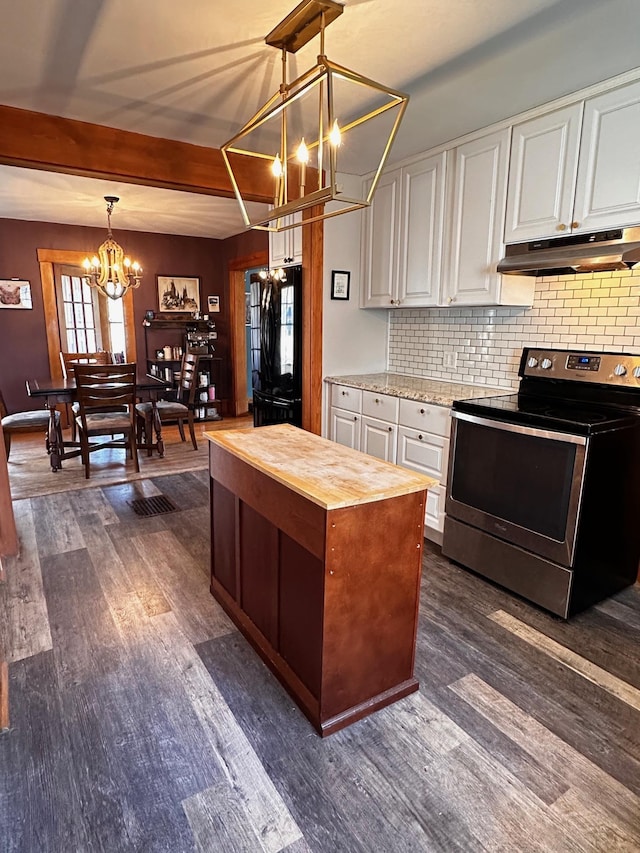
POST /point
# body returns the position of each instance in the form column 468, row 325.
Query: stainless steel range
column 544, row 486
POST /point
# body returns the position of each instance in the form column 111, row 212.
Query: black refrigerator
column 276, row 338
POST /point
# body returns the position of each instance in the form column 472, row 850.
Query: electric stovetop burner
column 566, row 391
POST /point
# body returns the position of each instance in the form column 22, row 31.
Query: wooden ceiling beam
column 55, row 144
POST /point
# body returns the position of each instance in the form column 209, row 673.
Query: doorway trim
column 46, row 259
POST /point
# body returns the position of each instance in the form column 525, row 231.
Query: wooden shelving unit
column 173, row 336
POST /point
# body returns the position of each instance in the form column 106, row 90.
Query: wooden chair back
column 68, row 359
column 106, row 397
column 3, row 407
column 101, row 387
column 188, row 381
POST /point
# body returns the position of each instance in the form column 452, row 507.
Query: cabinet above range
column 576, row 169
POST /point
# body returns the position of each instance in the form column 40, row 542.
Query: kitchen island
column 316, row 556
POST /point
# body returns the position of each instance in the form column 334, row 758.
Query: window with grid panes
column 79, row 314
column 85, row 330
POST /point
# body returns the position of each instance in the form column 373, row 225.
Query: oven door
column 519, row 483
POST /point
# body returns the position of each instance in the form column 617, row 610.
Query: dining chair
column 25, row 422
column 106, row 395
column 67, row 360
column 172, row 411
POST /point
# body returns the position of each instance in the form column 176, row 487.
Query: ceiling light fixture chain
column 110, row 271
column 304, row 110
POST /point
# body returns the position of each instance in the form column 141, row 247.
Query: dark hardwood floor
column 142, row 721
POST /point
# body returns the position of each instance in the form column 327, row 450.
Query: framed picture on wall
column 15, row 293
column 177, row 294
column 340, row 280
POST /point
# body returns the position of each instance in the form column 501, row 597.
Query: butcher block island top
column 320, row 470
column 316, row 555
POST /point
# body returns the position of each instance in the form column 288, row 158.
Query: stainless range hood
column 594, row 252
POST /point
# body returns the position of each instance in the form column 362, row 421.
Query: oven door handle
column 568, row 438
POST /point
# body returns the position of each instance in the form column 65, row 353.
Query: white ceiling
column 196, row 71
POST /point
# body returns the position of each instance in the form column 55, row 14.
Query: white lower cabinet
column 379, row 439
column 346, row 408
column 345, row 428
column 423, row 452
column 412, row 434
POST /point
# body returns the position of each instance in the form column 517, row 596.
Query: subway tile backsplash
column 592, row 311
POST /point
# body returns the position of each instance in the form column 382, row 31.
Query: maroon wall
column 23, row 343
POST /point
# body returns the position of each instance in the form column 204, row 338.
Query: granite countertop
column 324, row 472
column 435, row 391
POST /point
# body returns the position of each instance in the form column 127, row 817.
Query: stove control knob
column 636, row 372
column 620, row 370
column 546, row 363
column 532, row 362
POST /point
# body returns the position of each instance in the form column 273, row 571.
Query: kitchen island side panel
column 372, row 588
column 223, row 545
column 258, row 570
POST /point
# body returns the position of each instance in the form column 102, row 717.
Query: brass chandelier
column 110, row 271
column 296, row 140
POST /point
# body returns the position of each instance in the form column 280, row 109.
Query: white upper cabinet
column 380, row 244
column 285, row 247
column 542, row 175
column 608, row 186
column 576, row 169
column 477, row 190
column 403, row 230
column 421, row 232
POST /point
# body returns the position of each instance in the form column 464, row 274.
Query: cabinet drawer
column 381, row 406
column 434, row 516
column 345, row 397
column 425, row 416
column 423, row 452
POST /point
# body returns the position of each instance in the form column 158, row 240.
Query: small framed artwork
column 178, row 294
column 213, row 303
column 15, row 293
column 340, row 281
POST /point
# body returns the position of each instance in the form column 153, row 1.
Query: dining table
column 55, row 392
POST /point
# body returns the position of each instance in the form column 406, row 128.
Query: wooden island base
column 316, row 555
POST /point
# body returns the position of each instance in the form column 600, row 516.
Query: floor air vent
column 157, row 505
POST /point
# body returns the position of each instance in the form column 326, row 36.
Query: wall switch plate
column 450, row 359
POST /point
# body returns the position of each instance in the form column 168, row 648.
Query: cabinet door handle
column 376, row 400
column 451, row 299
column 344, row 393
column 355, row 417
column 422, row 411
column 392, row 301
column 419, row 438
column 575, row 224
column 562, row 227
column 390, row 429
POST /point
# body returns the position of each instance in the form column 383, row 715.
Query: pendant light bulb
column 276, row 167
column 302, row 154
column 335, row 136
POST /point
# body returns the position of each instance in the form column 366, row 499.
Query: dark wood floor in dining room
column 142, row 721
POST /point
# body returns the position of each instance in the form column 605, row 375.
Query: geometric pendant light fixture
column 110, row 271
column 313, row 123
